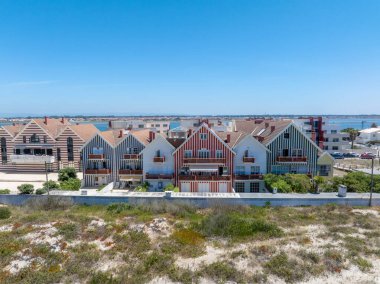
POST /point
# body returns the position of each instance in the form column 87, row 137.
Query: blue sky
column 189, row 57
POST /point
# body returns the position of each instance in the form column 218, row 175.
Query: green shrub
column 26, row 188
column 171, row 187
column 69, row 231
column 5, row 191
column 50, row 184
column 119, row 207
column 5, row 213
column 285, row 268
column 102, row 278
column 41, row 191
column 71, row 184
column 67, row 173
column 222, row 272
column 282, row 186
column 299, row 183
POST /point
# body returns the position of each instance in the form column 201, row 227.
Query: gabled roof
column 53, row 126
column 142, row 135
column 84, row 131
column 235, row 137
column 176, row 142
column 249, row 136
column 158, row 138
column 13, row 130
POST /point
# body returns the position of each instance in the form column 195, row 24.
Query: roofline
column 89, row 140
column 157, row 137
column 32, row 120
column 129, row 134
column 6, row 130
column 250, row 135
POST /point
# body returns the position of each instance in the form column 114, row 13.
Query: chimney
column 121, row 133
column 152, row 135
column 62, row 120
column 266, row 124
column 228, row 140
column 46, row 120
column 272, row 128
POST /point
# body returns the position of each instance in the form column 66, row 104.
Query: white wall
column 254, row 150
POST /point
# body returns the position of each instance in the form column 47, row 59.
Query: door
column 185, row 187
column 204, row 187
column 223, row 187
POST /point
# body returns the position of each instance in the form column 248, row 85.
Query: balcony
column 131, row 156
column 31, row 159
column 98, row 171
column 204, row 160
column 159, row 176
column 248, row 159
column 96, row 156
column 248, row 177
column 204, row 177
column 288, row 159
column 159, row 159
column 130, row 172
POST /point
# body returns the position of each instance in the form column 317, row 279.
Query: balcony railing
column 205, row 177
column 248, row 177
column 31, row 159
column 248, row 159
column 96, row 156
column 204, row 160
column 98, row 171
column 130, row 172
column 159, row 176
column 159, row 159
column 289, row 159
column 131, row 156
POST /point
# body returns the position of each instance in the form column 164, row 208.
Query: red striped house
column 204, row 162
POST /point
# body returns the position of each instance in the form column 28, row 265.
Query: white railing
column 31, row 159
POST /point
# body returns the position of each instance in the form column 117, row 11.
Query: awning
column 203, row 170
column 130, row 179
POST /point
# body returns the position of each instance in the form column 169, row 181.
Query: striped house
column 204, row 162
column 115, row 156
column 290, row 150
column 54, row 143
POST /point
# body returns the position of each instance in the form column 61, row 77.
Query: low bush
column 49, row 203
column 222, row 272
column 40, row 191
column 67, row 173
column 51, row 184
column 69, row 231
column 26, row 188
column 171, row 187
column 285, row 268
column 71, row 184
column 119, row 207
column 5, row 213
column 5, row 191
column 288, row 183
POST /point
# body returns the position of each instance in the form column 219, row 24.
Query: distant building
column 160, row 126
column 368, row 135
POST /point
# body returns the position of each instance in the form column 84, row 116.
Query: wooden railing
column 159, row 176
column 131, row 156
column 98, row 171
column 205, row 177
column 248, row 177
column 96, row 156
column 158, row 159
column 204, row 160
column 248, row 159
column 289, row 159
column 130, row 172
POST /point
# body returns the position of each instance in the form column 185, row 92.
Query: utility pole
column 47, row 179
column 370, row 195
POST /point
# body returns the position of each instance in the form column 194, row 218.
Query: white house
column 369, row 134
column 158, row 163
column 250, row 163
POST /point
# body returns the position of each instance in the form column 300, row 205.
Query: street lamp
column 370, row 194
column 47, row 180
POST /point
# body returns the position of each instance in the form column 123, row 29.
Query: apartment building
column 159, row 126
column 217, row 124
column 115, row 156
column 290, row 150
column 368, row 135
column 41, row 143
column 325, row 134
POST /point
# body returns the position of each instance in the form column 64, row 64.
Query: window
column 246, row 154
column 23, row 139
column 152, row 125
column 240, row 170
column 158, row 131
column 141, row 125
column 255, row 170
column 165, row 125
column 335, row 148
column 160, row 185
column 297, row 152
column 157, row 125
column 334, row 131
column 239, row 186
column 225, row 170
column 219, row 154
column 70, row 149
column 45, row 139
column 34, row 139
column 203, row 136
column 3, row 144
column 204, row 153
column 325, row 147
column 286, row 135
column 49, row 152
column 254, row 187
column 335, row 139
column 97, row 151
column 188, row 153
column 158, row 153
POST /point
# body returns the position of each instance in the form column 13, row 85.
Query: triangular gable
column 211, row 131
column 92, row 138
column 248, row 136
column 158, row 138
column 26, row 127
column 68, row 127
column 126, row 136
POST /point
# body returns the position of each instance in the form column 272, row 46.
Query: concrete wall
column 246, row 199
